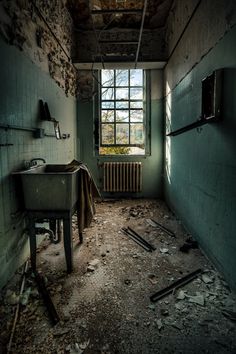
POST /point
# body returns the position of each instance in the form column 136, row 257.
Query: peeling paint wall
column 200, row 168
column 22, row 24
column 86, row 88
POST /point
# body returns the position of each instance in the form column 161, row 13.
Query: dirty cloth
column 86, row 193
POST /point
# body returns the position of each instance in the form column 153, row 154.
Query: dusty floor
column 104, row 305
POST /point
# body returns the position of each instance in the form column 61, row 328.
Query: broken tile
column 151, row 307
column 150, row 222
column 90, row 268
column 164, row 250
column 164, row 312
column 198, row 299
column 11, row 298
column 181, row 295
column 206, row 279
column 159, row 323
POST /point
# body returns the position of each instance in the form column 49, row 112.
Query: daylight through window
column 122, row 112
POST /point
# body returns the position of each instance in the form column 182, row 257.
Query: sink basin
column 50, row 187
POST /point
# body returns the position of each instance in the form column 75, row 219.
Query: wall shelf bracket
column 193, row 125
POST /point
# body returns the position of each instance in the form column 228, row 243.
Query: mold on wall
column 43, row 30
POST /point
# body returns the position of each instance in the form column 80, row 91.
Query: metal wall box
column 212, row 95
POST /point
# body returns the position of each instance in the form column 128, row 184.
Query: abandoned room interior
column 117, row 171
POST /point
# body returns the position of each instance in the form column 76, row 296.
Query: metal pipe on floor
column 177, row 284
column 46, row 298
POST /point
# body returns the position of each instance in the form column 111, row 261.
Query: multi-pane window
column 122, row 112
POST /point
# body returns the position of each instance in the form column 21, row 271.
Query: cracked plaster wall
column 21, row 25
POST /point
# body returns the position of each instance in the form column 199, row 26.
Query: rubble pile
column 105, row 305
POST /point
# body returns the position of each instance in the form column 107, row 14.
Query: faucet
column 33, row 162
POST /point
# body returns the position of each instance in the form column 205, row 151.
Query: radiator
column 122, row 176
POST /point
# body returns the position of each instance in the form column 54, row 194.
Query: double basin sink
column 50, row 187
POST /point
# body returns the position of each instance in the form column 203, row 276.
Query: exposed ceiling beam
column 119, row 65
column 117, row 11
column 118, row 42
column 140, row 33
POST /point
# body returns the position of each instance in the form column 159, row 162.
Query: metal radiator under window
column 122, row 176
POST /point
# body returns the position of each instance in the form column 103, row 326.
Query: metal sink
column 50, row 187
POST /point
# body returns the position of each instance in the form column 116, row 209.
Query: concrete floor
column 104, row 305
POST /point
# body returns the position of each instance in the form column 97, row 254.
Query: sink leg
column 67, row 228
column 32, row 238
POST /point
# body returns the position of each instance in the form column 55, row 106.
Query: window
column 122, row 112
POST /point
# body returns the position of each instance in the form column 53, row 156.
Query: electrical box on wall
column 212, row 95
column 211, row 102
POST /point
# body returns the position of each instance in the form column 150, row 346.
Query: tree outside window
column 122, row 120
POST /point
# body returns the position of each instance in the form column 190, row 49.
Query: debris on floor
column 104, row 304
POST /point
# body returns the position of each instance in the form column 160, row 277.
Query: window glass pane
column 122, row 94
column 136, row 104
column 107, row 116
column 122, row 104
column 107, row 94
column 136, row 93
column 107, row 133
column 136, row 115
column 122, row 112
column 136, row 133
column 122, row 78
column 136, row 77
column 107, row 77
column 122, row 116
column 108, row 104
column 122, row 133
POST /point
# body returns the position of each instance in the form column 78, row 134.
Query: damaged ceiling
column 119, row 30
column 118, row 13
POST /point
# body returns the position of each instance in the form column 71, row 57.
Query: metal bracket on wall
column 191, row 126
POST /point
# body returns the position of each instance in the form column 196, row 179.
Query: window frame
column 146, row 115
